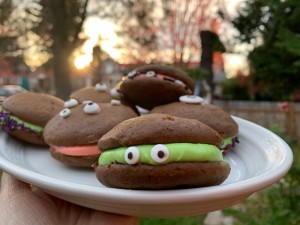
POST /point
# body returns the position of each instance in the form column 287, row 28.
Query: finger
column 10, row 184
column 104, row 218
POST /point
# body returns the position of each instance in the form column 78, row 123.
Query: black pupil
column 161, row 154
column 90, row 103
column 130, row 155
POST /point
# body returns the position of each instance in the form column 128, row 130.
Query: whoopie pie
column 150, row 85
column 192, row 107
column 73, row 134
column 160, row 151
column 25, row 115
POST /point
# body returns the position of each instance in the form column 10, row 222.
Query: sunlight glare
column 101, row 32
column 82, row 61
column 234, row 63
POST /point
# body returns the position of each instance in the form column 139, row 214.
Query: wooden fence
column 267, row 114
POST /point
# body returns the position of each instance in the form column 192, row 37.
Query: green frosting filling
column 226, row 141
column 178, row 152
column 29, row 125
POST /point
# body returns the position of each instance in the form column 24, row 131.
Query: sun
column 98, row 32
column 82, row 61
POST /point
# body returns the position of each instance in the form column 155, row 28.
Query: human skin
column 19, row 204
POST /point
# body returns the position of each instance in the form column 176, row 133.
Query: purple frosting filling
column 9, row 124
column 234, row 141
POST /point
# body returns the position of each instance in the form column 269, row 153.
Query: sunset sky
column 94, row 28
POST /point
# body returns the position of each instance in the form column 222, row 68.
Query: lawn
column 196, row 220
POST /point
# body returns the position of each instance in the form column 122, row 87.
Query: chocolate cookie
column 73, row 133
column 25, row 115
column 160, row 151
column 191, row 107
column 98, row 93
column 151, row 85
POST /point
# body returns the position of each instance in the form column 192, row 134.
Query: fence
column 266, row 114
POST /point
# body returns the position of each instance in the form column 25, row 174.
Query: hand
column 20, row 205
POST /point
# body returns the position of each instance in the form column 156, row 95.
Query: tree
column 182, row 22
column 165, row 31
column 10, row 28
column 273, row 28
column 59, row 26
column 191, row 28
column 210, row 43
column 137, row 22
column 51, row 26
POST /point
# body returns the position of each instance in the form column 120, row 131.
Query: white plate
column 261, row 159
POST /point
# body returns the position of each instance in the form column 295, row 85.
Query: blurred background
column 244, row 56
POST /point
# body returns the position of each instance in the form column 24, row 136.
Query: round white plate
column 261, row 159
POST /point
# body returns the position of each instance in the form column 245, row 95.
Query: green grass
column 195, row 220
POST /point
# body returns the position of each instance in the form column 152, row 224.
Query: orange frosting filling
column 78, row 150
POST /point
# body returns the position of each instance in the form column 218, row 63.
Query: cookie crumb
column 169, row 117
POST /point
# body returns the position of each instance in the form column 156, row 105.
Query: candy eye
column 191, row 99
column 71, row 103
column 160, row 153
column 91, row 108
column 131, row 74
column 180, row 83
column 150, row 74
column 115, row 93
column 86, row 102
column 65, row 113
column 115, row 102
column 101, row 87
column 132, row 155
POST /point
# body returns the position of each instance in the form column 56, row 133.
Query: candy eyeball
column 194, row 99
column 131, row 74
column 115, row 93
column 91, row 108
column 180, row 83
column 150, row 74
column 160, row 153
column 65, row 113
column 132, row 155
column 86, row 102
column 115, row 102
column 71, row 103
column 101, row 87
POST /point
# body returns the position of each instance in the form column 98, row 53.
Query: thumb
column 10, row 184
